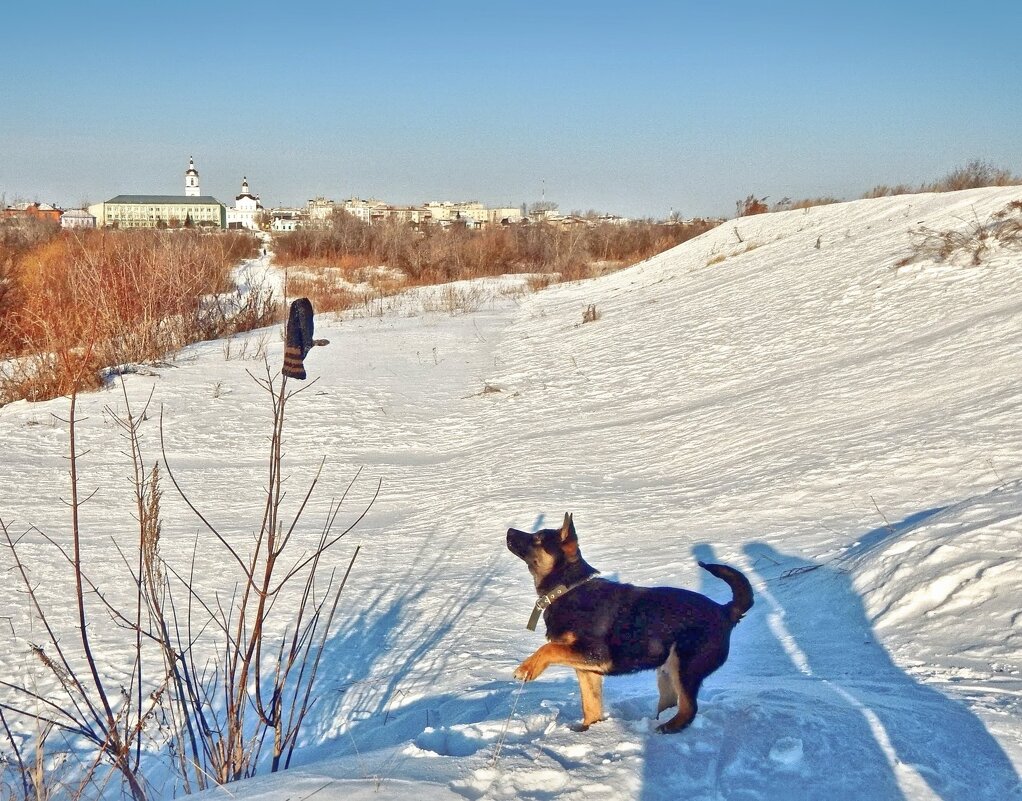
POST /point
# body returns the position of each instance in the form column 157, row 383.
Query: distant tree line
column 433, row 255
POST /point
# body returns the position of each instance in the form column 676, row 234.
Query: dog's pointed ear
column 568, row 528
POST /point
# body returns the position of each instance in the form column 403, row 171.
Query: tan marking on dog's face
column 541, row 551
column 541, row 562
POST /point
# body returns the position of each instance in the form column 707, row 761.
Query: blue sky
column 638, row 108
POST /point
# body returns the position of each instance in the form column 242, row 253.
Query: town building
column 163, row 211
column 77, row 218
column 505, row 215
column 361, row 209
column 247, row 209
column 319, row 210
column 41, row 211
column 471, row 213
column 285, row 223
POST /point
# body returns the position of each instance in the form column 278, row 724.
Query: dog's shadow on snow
column 811, row 705
column 376, row 686
column 376, row 702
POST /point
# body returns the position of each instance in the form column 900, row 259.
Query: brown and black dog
column 603, row 628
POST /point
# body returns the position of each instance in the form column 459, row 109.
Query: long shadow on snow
column 938, row 738
column 872, row 539
column 763, row 729
column 810, row 705
column 814, row 707
column 388, row 650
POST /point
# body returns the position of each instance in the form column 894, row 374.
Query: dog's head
column 546, row 550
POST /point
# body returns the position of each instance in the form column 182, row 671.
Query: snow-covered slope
column 778, row 394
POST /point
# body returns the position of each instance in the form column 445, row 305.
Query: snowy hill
column 791, row 393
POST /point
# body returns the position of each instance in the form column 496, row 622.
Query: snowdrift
column 815, row 396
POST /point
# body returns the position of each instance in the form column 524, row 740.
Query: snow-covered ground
column 778, row 394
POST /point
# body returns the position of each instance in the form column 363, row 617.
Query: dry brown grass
column 970, row 243
column 339, row 288
column 433, row 255
column 77, row 302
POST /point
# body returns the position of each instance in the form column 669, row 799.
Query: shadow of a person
column 933, row 745
column 764, row 729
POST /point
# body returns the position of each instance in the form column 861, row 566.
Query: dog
column 604, row 628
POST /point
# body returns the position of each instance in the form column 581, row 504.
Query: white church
column 247, row 207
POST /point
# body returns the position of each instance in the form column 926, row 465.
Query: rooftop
column 197, row 200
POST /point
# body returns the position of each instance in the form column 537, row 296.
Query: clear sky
column 638, row 108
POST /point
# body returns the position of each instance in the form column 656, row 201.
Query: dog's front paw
column 528, row 670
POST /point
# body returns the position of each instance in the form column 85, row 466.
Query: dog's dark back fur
column 636, row 626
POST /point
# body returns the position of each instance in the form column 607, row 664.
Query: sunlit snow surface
column 777, row 394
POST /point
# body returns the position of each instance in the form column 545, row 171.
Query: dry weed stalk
column 972, row 241
column 93, row 707
column 264, row 681
column 213, row 680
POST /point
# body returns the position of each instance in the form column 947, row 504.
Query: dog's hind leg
column 691, row 670
column 684, row 696
column 668, row 695
column 591, row 686
column 684, row 716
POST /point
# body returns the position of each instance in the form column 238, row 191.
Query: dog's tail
column 740, row 587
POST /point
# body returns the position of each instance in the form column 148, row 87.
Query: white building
column 319, row 210
column 361, row 209
column 77, row 218
column 471, row 213
column 505, row 215
column 163, row 211
column 247, row 208
column 368, row 211
column 192, row 180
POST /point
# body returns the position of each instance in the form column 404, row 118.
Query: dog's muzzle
column 518, row 542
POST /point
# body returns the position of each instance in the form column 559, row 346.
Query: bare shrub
column 970, row 243
column 432, row 255
column 885, row 190
column 536, row 283
column 212, row 680
column 787, row 203
column 974, row 175
column 751, row 205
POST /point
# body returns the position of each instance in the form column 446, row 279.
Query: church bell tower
column 191, row 180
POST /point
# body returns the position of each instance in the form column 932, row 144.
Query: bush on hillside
column 968, row 244
column 347, row 251
column 94, row 299
column 974, row 175
column 751, row 205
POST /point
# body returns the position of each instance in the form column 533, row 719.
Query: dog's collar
column 545, row 600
